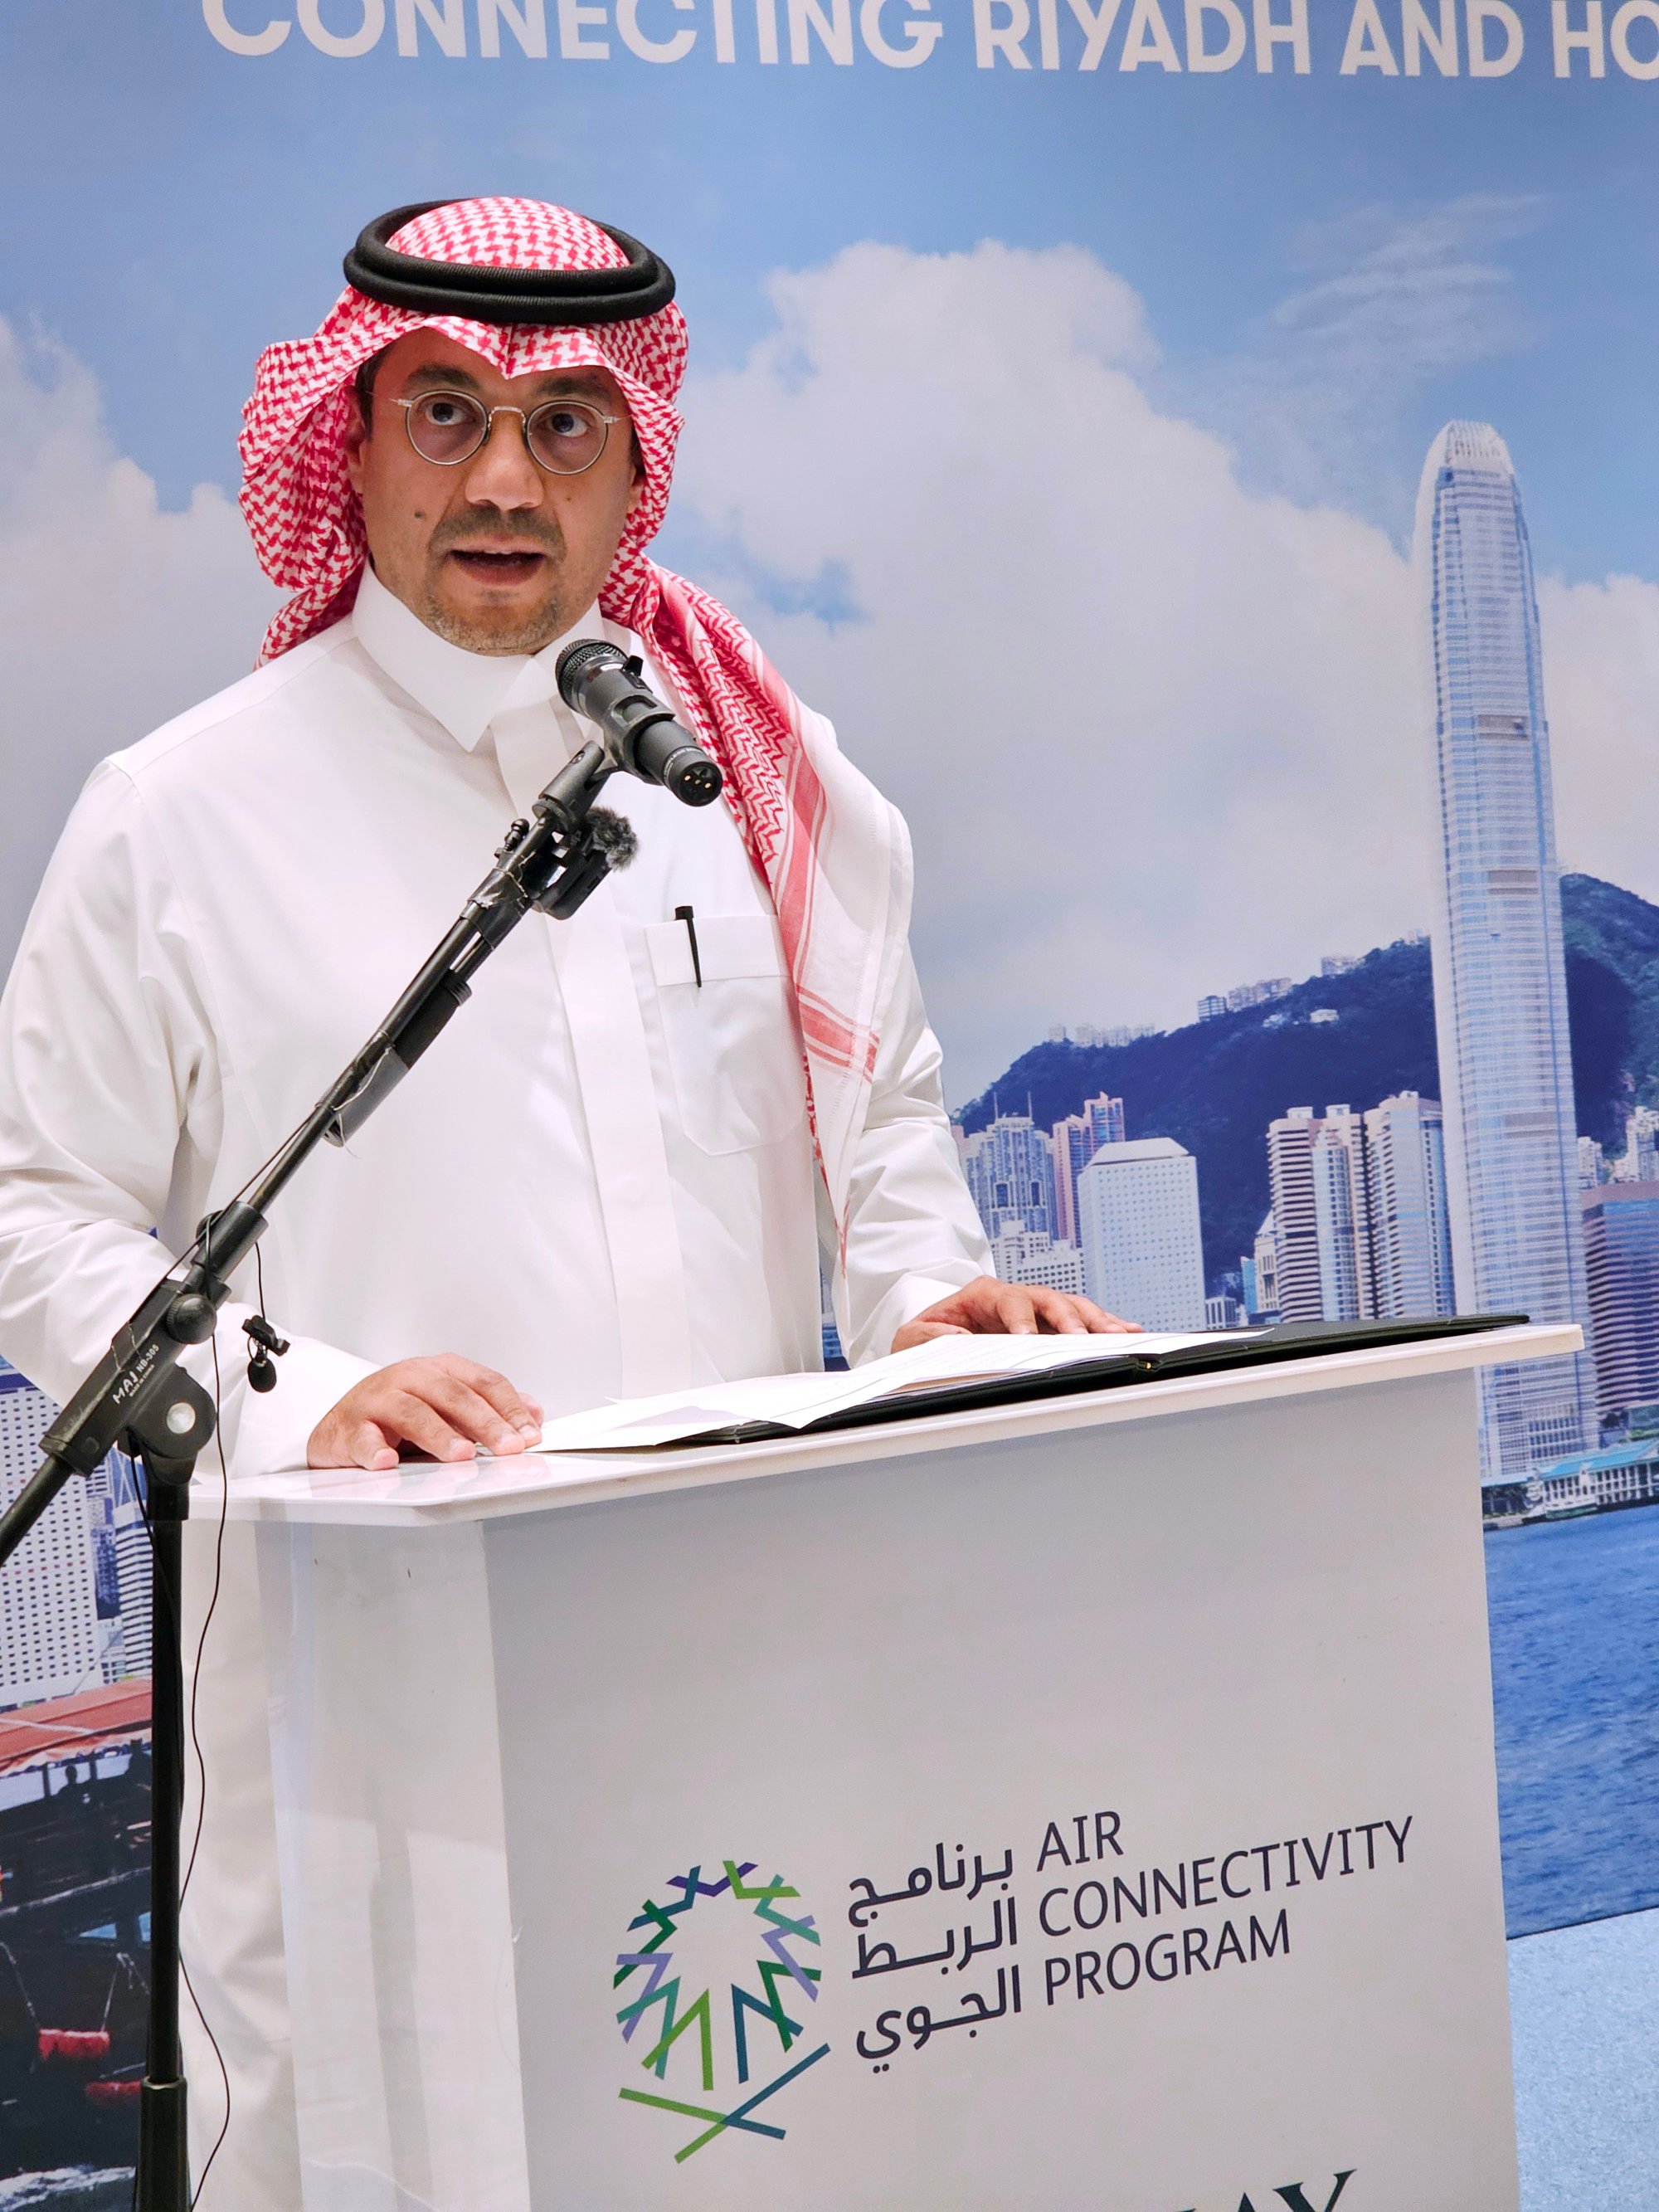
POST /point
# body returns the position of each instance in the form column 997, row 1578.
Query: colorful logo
column 723, row 2041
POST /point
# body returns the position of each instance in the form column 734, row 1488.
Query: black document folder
column 1293, row 1339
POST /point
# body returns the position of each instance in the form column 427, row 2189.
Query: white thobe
column 600, row 1179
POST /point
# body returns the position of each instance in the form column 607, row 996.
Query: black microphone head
column 580, row 660
column 691, row 776
column 613, row 835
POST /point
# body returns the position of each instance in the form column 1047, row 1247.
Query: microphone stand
column 138, row 1397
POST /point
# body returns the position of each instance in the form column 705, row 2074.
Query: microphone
column 602, row 682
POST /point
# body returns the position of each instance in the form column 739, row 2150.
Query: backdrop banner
column 1197, row 453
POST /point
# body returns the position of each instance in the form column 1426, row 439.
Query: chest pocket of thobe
column 732, row 1042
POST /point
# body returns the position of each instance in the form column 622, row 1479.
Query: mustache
column 538, row 531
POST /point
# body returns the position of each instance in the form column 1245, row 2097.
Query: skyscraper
column 1299, row 1294
column 1359, row 1227
column 1104, row 1116
column 1411, row 1231
column 1011, row 1175
column 1261, row 1292
column 1639, row 1161
column 1076, row 1141
column 1621, row 1252
column 49, row 1634
column 1499, row 982
column 1342, row 1217
column 1142, row 1255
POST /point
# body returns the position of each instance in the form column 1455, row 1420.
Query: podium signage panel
column 1087, row 1804
column 1103, row 1819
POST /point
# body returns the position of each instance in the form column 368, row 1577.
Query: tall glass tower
column 1500, row 980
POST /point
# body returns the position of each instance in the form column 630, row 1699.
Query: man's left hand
column 986, row 1307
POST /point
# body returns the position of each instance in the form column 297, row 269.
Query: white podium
column 1088, row 1803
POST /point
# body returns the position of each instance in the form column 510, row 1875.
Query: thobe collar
column 463, row 691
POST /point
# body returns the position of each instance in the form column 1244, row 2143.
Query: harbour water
column 1574, row 1609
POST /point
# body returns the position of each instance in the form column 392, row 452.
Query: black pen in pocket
column 685, row 914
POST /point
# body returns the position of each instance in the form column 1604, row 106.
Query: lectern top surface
column 538, row 1481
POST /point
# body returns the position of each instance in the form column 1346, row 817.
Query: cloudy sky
column 1069, row 468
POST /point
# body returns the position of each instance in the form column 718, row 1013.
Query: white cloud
column 1154, row 735
column 1389, row 300
column 1602, row 687
column 113, row 614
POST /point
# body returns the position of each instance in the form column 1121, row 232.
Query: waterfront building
column 49, row 1636
column 1587, row 1482
column 1223, row 1311
column 1026, row 1255
column 1593, row 1167
column 1499, row 979
column 1342, row 1222
column 1010, row 1168
column 1300, row 1292
column 1411, row 1227
column 1621, row 1260
column 1143, row 1254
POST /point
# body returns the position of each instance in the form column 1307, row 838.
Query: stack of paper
column 795, row 1401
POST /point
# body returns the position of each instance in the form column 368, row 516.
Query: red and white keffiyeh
column 834, row 854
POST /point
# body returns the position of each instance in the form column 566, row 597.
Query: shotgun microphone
column 600, row 681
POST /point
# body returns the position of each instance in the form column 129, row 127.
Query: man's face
column 495, row 553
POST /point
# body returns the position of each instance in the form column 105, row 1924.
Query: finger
column 920, row 1332
column 1057, row 1313
column 371, row 1447
column 470, row 1413
column 344, row 1442
column 408, row 1418
column 1016, row 1311
column 519, row 1412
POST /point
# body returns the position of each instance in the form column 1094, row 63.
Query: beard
column 509, row 628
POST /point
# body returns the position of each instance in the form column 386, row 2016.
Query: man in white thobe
column 615, row 1173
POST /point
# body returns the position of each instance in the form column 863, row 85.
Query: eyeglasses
column 565, row 436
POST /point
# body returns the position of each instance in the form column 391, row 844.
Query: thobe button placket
column 596, row 981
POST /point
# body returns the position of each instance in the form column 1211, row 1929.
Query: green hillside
column 1215, row 1085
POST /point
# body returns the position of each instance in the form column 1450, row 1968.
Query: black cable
column 207, row 1623
column 224, row 2075
column 196, row 1742
column 172, row 1600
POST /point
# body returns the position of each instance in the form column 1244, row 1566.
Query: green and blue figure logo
column 721, row 2041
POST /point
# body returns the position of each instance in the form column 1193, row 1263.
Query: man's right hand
column 445, row 1406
